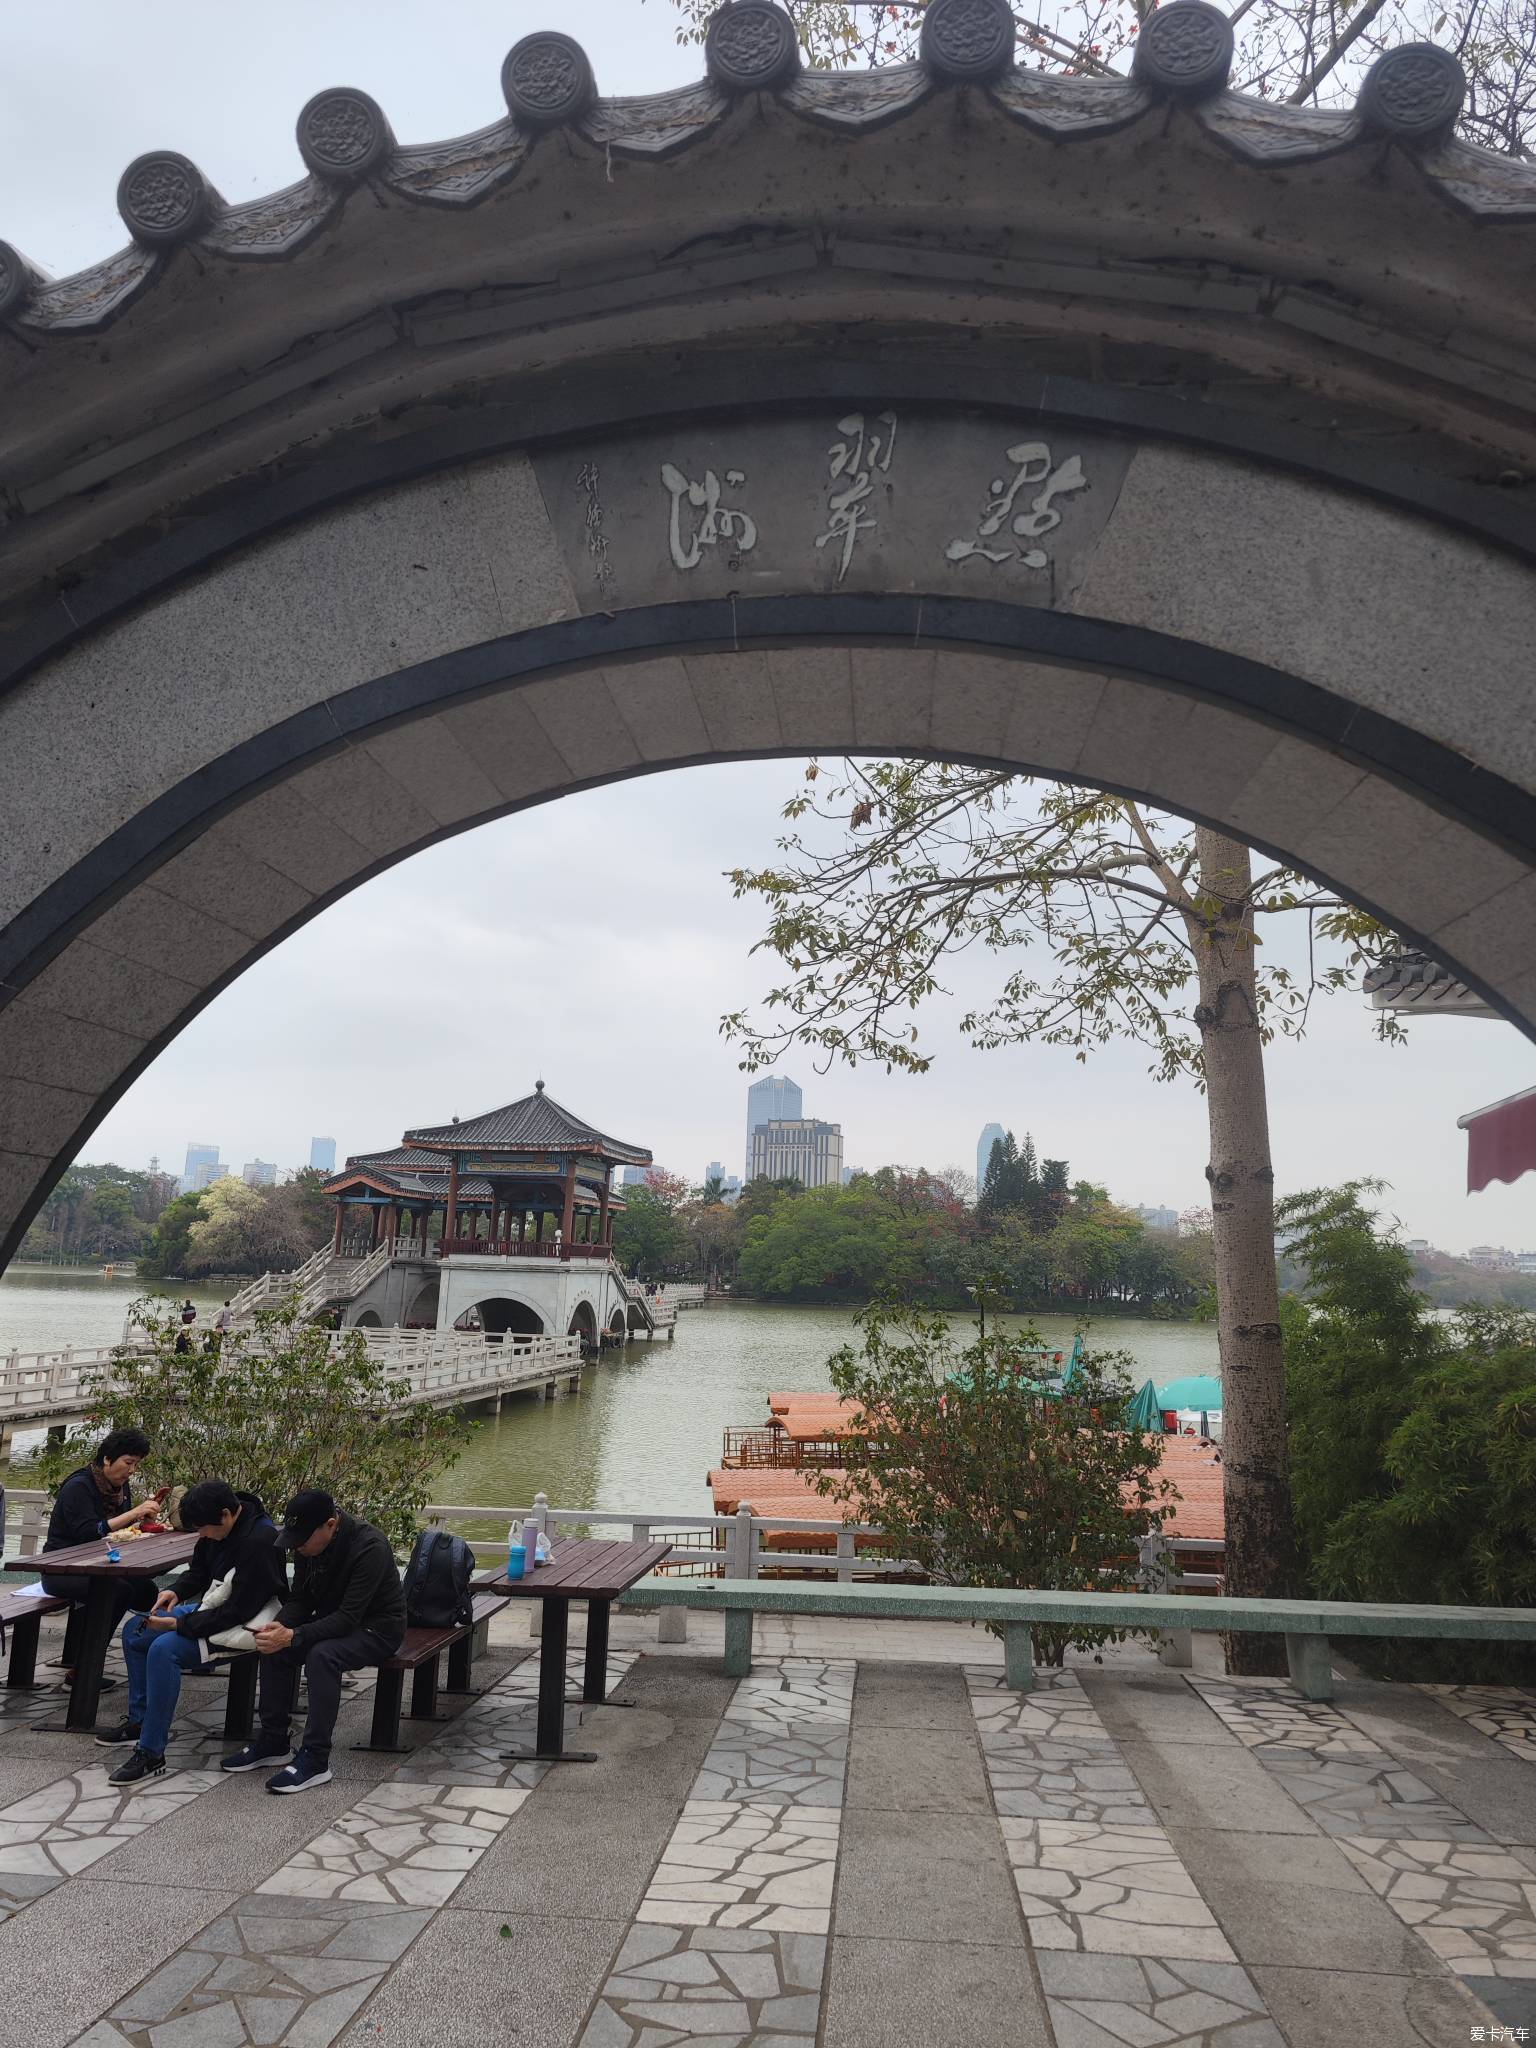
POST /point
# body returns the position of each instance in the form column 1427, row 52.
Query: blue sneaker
column 302, row 1775
column 257, row 1754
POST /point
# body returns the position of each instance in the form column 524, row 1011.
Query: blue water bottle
column 114, row 1555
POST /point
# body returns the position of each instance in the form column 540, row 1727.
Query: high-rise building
column 984, row 1144
column 197, row 1156
column 322, row 1154
column 773, row 1099
column 205, row 1173
column 633, row 1176
column 1158, row 1218
column 259, row 1173
column 797, row 1148
column 852, row 1173
column 730, row 1184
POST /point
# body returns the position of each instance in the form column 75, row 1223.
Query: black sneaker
column 302, row 1775
column 263, row 1752
column 124, row 1736
column 137, row 1767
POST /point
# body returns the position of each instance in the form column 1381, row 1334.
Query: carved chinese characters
column 689, row 534
column 999, row 521
column 852, row 465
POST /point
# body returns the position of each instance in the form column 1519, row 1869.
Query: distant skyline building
column 984, row 1144
column 1159, row 1218
column 259, row 1173
column 197, row 1156
column 730, row 1183
column 205, row 1173
column 773, row 1099
column 851, row 1172
column 322, row 1154
column 633, row 1176
column 797, row 1148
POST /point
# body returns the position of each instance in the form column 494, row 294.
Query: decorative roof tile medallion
column 967, row 42
column 751, row 46
column 547, row 80
column 163, row 199
column 1184, row 50
column 17, row 278
column 343, row 134
column 1413, row 93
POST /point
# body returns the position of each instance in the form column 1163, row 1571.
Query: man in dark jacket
column 91, row 1505
column 235, row 1537
column 347, row 1610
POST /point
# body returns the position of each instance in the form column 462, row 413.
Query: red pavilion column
column 602, row 1215
column 569, row 1215
column 451, row 1208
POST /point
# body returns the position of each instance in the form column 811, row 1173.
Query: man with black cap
column 346, row 1611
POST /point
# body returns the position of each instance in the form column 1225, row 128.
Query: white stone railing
column 43, row 1385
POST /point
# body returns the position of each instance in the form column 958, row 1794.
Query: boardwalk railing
column 45, row 1385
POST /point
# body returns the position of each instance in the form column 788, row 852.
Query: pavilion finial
column 538, row 1087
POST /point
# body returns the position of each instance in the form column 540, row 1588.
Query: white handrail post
column 845, row 1557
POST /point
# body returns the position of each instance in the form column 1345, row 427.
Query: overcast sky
column 441, row 988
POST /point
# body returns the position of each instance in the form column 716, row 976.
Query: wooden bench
column 1307, row 1625
column 22, row 1614
column 421, row 1653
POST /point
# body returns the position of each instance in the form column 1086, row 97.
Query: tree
column 1300, row 54
column 168, row 1253
column 279, row 1406
column 713, row 1191
column 648, row 1239
column 1414, row 1448
column 248, row 1229
column 1130, row 924
column 983, row 1482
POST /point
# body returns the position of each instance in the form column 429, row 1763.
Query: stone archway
column 1132, row 503
column 583, row 1324
column 502, row 1315
column 422, row 1313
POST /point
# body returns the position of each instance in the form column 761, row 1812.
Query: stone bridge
column 1128, row 431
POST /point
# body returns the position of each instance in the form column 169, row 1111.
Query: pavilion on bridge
column 530, row 1180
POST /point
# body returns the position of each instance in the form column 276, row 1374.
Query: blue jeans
column 156, row 1658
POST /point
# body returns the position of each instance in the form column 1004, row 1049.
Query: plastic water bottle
column 114, row 1554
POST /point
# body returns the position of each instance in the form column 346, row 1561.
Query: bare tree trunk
column 1261, row 1559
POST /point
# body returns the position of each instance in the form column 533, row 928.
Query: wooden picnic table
column 582, row 1568
column 143, row 1558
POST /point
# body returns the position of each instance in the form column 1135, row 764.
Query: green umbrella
column 1144, row 1410
column 1199, row 1390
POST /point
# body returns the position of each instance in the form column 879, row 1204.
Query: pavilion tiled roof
column 535, row 1124
column 414, row 1173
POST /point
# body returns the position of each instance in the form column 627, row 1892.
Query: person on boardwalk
column 91, row 1505
column 236, row 1577
column 346, row 1611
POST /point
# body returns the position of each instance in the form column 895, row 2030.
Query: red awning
column 1501, row 1140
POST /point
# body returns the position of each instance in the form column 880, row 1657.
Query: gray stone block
column 925, row 1878
column 1497, row 1793
column 912, row 1696
column 1214, row 1785
column 61, row 1052
column 510, row 747
column 1159, row 1706
column 813, row 689
column 155, row 931
column 116, row 1935
column 103, row 987
column 36, row 1119
column 280, row 828
column 441, row 774
column 657, row 706
column 916, row 1994
column 972, row 701
column 1415, row 1725
column 583, row 725
column 735, row 700
column 893, row 698
column 1307, row 1926
column 1341, row 2008
column 1050, row 717
column 218, row 875
column 915, row 1770
column 352, row 790
column 1215, row 1857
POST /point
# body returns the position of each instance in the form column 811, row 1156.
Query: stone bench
column 1307, row 1625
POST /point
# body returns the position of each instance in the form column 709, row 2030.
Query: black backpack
column 437, row 1591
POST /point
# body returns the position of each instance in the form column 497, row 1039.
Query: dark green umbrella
column 1144, row 1411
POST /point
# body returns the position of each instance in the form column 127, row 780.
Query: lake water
column 645, row 1429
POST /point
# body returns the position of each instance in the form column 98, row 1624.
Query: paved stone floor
column 868, row 1843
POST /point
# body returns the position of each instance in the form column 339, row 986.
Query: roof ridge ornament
column 547, row 81
column 967, row 42
column 1413, row 93
column 165, row 199
column 1184, row 51
column 343, row 134
column 751, row 46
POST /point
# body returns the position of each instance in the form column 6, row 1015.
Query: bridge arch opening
column 501, row 1315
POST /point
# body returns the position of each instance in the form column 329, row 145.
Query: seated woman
column 236, row 1576
column 94, row 1503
